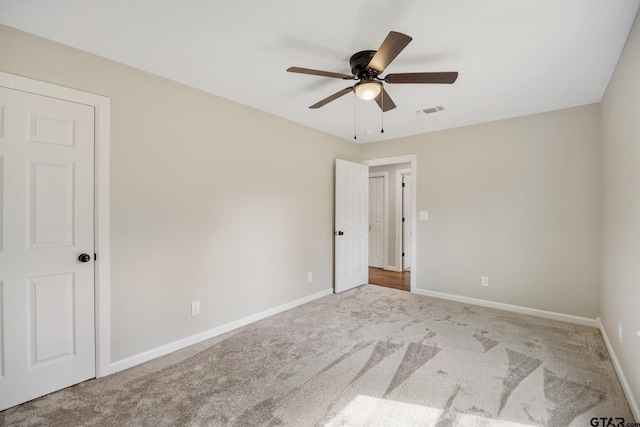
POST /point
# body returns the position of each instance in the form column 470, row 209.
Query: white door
column 376, row 221
column 406, row 222
column 46, row 292
column 351, row 234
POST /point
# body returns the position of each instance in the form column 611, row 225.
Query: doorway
column 392, row 221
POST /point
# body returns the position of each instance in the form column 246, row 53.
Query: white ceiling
column 515, row 57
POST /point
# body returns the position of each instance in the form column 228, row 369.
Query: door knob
column 338, row 233
column 84, row 258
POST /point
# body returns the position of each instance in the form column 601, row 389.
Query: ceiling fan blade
column 320, row 73
column 443, row 78
column 388, row 50
column 332, row 97
column 388, row 103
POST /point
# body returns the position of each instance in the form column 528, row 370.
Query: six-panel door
column 352, row 225
column 46, row 211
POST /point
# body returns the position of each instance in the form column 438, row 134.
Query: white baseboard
column 585, row 321
column 132, row 361
column 633, row 403
column 392, row 268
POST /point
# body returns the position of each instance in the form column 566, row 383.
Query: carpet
column 370, row 356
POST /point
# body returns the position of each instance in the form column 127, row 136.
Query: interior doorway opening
column 392, row 222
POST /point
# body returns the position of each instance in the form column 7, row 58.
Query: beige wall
column 516, row 200
column 621, row 207
column 211, row 200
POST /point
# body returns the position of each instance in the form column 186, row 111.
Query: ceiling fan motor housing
column 359, row 65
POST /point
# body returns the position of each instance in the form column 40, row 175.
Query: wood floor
column 390, row 279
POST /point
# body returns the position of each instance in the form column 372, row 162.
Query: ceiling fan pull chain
column 382, row 112
column 355, row 116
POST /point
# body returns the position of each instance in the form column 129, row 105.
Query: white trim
column 102, row 113
column 398, row 224
column 413, row 159
column 103, row 238
column 633, row 403
column 211, row 333
column 388, row 267
column 385, row 230
column 399, row 209
column 578, row 320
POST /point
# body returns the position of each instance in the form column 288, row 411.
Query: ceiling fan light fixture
column 367, row 90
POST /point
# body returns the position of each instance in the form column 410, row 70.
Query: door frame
column 102, row 283
column 400, row 173
column 413, row 160
column 385, row 202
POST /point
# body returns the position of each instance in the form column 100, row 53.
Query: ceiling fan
column 367, row 65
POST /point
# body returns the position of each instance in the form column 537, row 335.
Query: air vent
column 430, row 110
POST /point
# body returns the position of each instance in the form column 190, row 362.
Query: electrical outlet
column 620, row 332
column 195, row 308
column 309, row 276
column 485, row 281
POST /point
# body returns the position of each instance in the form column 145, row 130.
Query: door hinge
column 402, row 219
column 95, row 257
column 402, row 253
column 403, row 185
